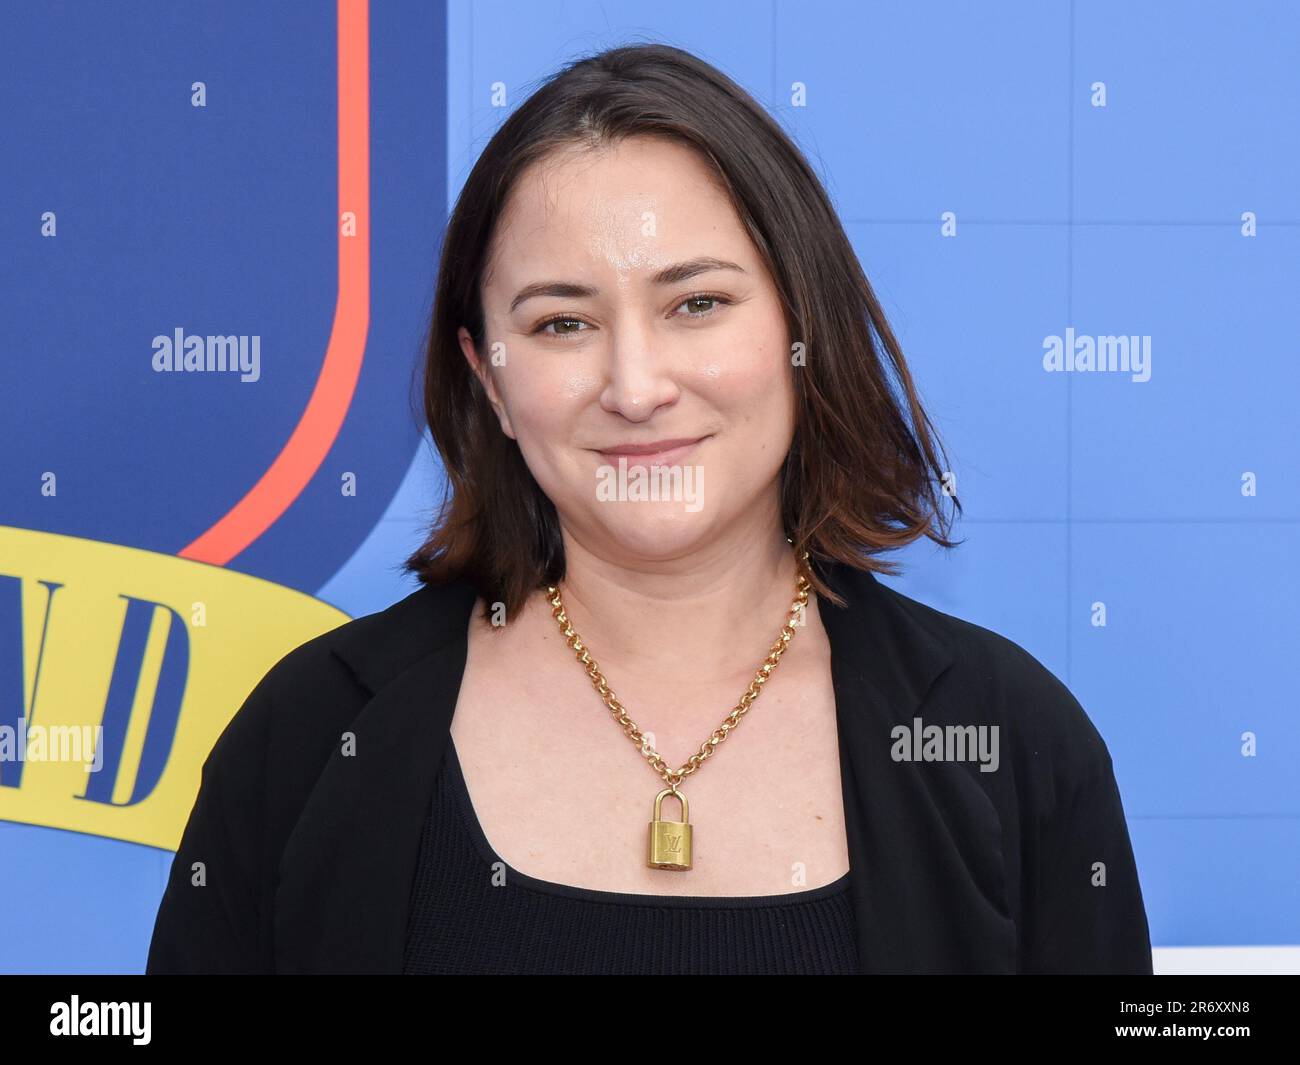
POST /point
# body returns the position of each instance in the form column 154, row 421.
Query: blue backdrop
column 1009, row 173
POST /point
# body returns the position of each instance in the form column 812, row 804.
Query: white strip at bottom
column 1183, row 961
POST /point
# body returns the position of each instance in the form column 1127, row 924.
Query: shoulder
column 296, row 712
column 371, row 650
column 995, row 679
column 1035, row 812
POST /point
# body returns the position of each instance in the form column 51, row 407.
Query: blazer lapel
column 917, row 905
column 345, row 876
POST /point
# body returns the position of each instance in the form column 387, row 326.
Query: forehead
column 641, row 203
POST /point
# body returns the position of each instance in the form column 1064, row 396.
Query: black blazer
column 309, row 854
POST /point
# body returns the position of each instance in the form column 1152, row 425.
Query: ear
column 483, row 372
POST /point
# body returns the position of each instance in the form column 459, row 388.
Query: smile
column 655, row 453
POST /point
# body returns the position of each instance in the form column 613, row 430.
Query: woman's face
column 626, row 312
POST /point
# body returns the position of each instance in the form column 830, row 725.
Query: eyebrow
column 669, row 275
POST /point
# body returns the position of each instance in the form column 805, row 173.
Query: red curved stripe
column 328, row 404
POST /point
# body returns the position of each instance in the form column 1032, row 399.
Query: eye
column 560, row 320
column 697, row 304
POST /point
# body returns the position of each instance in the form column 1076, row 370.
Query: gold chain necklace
column 670, row 841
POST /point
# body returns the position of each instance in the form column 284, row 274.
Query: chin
column 655, row 531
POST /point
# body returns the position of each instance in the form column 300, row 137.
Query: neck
column 712, row 613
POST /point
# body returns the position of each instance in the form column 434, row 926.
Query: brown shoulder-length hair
column 862, row 475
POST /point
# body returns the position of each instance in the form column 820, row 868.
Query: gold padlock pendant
column 670, row 841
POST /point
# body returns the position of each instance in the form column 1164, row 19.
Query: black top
column 311, row 845
column 464, row 919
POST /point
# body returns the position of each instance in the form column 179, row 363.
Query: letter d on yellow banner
column 118, row 670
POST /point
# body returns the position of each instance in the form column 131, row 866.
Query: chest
column 563, row 795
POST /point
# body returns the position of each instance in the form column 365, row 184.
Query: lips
column 654, row 453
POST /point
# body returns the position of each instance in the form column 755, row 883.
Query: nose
column 640, row 376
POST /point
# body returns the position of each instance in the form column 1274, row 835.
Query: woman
column 677, row 432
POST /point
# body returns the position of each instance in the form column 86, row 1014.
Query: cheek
column 750, row 376
column 545, row 403
column 544, row 397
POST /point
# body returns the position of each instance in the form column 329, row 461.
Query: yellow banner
column 118, row 670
